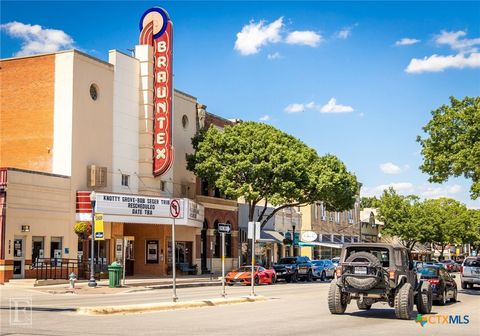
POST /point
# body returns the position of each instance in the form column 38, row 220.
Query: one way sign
column 224, row 228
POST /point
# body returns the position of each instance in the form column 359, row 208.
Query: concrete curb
column 179, row 285
column 153, row 307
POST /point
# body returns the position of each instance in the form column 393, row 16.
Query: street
column 289, row 309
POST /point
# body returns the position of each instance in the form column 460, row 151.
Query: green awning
column 308, row 244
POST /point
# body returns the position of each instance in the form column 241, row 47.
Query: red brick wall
column 26, row 112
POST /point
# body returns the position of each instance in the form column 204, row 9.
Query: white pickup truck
column 470, row 272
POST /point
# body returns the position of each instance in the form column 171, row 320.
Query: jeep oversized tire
column 363, row 283
column 424, row 298
column 337, row 301
column 404, row 302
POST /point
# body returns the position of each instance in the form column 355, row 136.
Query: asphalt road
column 290, row 309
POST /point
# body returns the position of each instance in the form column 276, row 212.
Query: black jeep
column 293, row 268
column 374, row 272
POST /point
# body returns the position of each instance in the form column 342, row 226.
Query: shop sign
column 156, row 30
column 309, row 236
column 118, row 204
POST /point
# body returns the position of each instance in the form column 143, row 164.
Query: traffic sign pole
column 253, row 260
column 174, row 211
column 223, row 265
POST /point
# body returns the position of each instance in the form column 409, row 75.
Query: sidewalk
column 133, row 284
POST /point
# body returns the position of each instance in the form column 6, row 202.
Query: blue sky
column 356, row 79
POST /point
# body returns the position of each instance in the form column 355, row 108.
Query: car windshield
column 429, row 272
column 472, row 262
column 318, row 262
column 287, row 261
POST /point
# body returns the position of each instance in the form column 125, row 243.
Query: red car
column 243, row 275
column 450, row 265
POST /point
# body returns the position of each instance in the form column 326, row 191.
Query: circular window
column 93, row 91
column 185, row 121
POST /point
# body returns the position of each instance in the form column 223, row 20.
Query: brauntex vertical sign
column 156, row 30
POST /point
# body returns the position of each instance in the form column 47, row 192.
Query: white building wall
column 126, row 106
column 62, row 119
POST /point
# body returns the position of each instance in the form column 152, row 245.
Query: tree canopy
column 262, row 164
column 452, row 145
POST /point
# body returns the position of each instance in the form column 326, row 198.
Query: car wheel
column 464, row 285
column 257, row 280
column 424, row 299
column 229, row 284
column 309, row 276
column 288, row 279
column 295, row 277
column 274, row 279
column 404, row 302
column 337, row 301
column 454, row 297
column 323, row 276
column 470, row 285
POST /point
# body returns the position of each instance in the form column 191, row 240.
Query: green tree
column 401, row 216
column 452, row 145
column 369, row 202
column 444, row 221
column 261, row 164
column 470, row 231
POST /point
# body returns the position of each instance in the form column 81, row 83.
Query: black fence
column 60, row 268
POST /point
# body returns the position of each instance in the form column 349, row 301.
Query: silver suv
column 470, row 272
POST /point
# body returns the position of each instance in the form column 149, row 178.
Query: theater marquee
column 156, row 30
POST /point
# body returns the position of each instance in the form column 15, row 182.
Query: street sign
column 99, row 232
column 174, row 208
column 253, row 227
column 224, row 228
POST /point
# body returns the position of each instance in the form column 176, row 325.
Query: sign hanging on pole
column 99, row 232
column 253, row 227
column 224, row 228
column 174, row 208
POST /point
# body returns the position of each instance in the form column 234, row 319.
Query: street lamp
column 92, row 282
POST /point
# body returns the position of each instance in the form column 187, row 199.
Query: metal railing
column 60, row 268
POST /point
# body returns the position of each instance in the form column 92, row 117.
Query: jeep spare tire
column 360, row 282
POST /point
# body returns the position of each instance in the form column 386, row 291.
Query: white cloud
column 436, row 63
column 344, row 33
column 467, row 54
column 401, row 187
column 307, row 37
column 361, row 114
column 294, row 108
column 390, row 168
column 456, row 41
column 36, row 39
column 255, row 35
column 436, row 192
column 406, row 41
column 265, row 118
column 274, row 56
column 333, row 107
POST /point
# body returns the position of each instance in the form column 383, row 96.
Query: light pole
column 92, row 282
column 293, row 238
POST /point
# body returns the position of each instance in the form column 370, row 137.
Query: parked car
column 450, row 265
column 470, row 273
column 443, row 285
column 335, row 261
column 323, row 269
column 417, row 265
column 294, row 268
column 374, row 272
column 243, row 275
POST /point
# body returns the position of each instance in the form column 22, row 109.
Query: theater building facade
column 72, row 124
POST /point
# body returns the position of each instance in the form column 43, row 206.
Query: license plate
column 361, row 270
column 302, row 271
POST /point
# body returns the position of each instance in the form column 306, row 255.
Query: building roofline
column 186, row 94
column 33, row 172
column 75, row 51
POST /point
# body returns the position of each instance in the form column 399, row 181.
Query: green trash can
column 114, row 274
